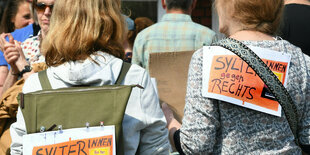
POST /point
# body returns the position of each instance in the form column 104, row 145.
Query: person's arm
column 154, row 136
column 3, row 74
column 197, row 134
column 3, row 64
column 10, row 80
column 173, row 126
column 15, row 57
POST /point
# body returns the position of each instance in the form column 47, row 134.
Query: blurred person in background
column 212, row 126
column 24, row 59
column 296, row 24
column 134, row 28
column 174, row 33
column 29, row 49
column 16, row 15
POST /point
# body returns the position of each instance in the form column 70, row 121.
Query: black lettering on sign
column 55, row 151
column 100, row 143
column 217, row 83
column 276, row 66
column 239, row 90
column 81, row 147
column 283, row 68
column 228, row 62
column 72, row 151
column 63, row 148
column 109, row 142
column 231, row 89
column 224, row 86
column 247, row 70
column 251, row 93
column 50, row 151
column 94, row 143
column 221, row 62
column 241, row 68
column 39, row 151
column 233, row 65
column 270, row 64
column 246, row 88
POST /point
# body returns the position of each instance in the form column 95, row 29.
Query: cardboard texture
column 170, row 70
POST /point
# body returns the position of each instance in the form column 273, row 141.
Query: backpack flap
column 73, row 107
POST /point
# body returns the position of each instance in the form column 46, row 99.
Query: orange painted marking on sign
column 90, row 146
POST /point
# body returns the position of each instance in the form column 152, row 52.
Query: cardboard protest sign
column 170, row 70
column 79, row 141
column 228, row 78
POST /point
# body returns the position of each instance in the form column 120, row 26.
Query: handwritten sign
column 79, row 141
column 228, row 78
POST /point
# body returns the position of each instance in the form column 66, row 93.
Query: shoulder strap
column 269, row 78
column 45, row 83
column 123, row 72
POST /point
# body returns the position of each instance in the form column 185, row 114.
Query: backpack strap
column 45, row 83
column 268, row 77
column 123, row 72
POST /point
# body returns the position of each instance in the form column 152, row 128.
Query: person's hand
column 172, row 124
column 14, row 55
column 10, row 51
column 171, row 121
column 3, row 40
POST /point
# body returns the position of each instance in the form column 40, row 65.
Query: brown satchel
column 8, row 110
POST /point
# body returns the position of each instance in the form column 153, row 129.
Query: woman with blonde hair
column 218, row 127
column 84, row 47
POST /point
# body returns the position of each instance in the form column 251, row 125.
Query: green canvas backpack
column 74, row 106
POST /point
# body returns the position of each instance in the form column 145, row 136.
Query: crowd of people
column 87, row 43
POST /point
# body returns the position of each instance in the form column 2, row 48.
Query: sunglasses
column 40, row 7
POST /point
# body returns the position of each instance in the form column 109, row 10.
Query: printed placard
column 228, row 78
column 78, row 141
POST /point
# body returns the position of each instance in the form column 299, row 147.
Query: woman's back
column 232, row 129
column 144, row 123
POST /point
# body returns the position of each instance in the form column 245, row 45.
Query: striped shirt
column 175, row 32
